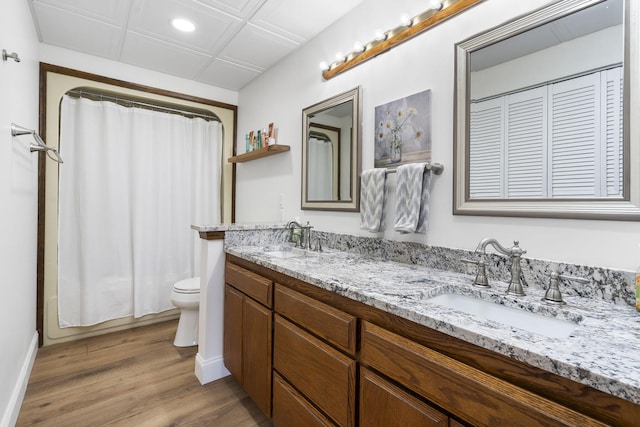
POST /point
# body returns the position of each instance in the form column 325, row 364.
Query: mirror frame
column 352, row 205
column 626, row 208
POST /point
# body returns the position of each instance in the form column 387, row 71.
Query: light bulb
column 379, row 36
column 324, row 66
column 358, row 47
column 183, row 25
column 436, row 4
column 340, row 57
column 405, row 21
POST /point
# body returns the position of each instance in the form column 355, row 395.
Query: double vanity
column 345, row 337
column 372, row 332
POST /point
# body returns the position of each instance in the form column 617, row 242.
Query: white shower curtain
column 133, row 182
column 320, row 170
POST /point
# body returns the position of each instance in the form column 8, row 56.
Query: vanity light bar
column 389, row 39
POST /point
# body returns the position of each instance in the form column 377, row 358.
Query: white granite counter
column 602, row 352
column 236, row 227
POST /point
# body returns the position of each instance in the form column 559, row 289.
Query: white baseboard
column 210, row 370
column 10, row 416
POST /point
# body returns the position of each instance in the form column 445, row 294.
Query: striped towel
column 412, row 201
column 372, row 199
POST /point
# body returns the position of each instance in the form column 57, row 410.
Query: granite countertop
column 236, row 227
column 602, row 352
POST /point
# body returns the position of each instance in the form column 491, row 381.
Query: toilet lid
column 190, row 286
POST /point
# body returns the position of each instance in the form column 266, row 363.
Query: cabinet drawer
column 320, row 372
column 290, row 408
column 252, row 284
column 385, row 405
column 331, row 324
column 473, row 395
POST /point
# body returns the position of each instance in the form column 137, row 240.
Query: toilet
column 185, row 295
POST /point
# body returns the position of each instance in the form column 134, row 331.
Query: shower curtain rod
column 319, row 136
column 80, row 93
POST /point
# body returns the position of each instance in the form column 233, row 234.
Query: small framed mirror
column 331, row 153
column 542, row 114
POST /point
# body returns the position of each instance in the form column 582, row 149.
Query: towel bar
column 436, row 168
column 39, row 144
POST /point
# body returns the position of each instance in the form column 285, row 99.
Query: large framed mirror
column 542, row 108
column 331, row 153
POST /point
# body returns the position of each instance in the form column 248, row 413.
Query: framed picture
column 403, row 131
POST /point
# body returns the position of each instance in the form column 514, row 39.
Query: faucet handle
column 308, row 228
column 318, row 245
column 481, row 274
column 517, row 250
column 574, row 279
column 553, row 295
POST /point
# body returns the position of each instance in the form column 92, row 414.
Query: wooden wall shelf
column 259, row 153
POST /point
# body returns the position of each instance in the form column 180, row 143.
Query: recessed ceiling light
column 182, row 24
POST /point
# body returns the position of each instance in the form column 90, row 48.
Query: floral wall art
column 403, row 131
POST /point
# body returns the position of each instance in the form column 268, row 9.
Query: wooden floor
column 130, row 378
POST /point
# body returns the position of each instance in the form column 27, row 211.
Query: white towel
column 372, row 199
column 412, row 201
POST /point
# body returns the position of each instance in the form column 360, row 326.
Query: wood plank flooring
column 130, row 378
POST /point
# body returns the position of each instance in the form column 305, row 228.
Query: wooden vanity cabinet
column 248, row 332
column 337, row 361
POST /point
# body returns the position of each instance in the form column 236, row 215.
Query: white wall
column 570, row 58
column 18, row 204
column 105, row 67
column 425, row 62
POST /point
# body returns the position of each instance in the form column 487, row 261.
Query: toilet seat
column 187, row 286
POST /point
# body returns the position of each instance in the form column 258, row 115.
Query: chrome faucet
column 293, row 223
column 515, row 252
column 303, row 237
column 293, row 236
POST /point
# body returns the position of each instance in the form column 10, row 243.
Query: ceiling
column 586, row 21
column 234, row 40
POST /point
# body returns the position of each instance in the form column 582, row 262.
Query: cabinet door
column 256, row 353
column 233, row 301
column 386, row 405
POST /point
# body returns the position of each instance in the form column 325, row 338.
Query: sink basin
column 536, row 323
column 284, row 254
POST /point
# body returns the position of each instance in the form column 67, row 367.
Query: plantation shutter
column 561, row 140
column 526, row 138
column 574, row 137
column 486, row 149
column 613, row 87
